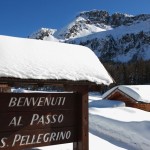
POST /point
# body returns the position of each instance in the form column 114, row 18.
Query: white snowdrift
column 36, row 59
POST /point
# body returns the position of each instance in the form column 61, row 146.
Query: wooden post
column 83, row 137
column 4, row 88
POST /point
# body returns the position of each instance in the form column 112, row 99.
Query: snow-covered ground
column 113, row 126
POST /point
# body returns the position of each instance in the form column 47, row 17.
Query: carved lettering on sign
column 40, row 138
column 16, row 121
column 36, row 119
column 39, row 101
column 3, row 142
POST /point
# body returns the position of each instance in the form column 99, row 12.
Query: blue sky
column 23, row 17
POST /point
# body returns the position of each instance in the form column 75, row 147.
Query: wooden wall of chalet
column 129, row 101
column 118, row 95
column 143, row 106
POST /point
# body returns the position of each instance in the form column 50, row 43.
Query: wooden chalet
column 136, row 96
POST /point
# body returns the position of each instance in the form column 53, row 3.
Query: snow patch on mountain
column 80, row 27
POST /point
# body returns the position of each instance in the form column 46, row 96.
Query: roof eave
column 18, row 81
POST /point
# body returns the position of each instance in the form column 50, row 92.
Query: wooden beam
column 41, row 82
column 4, row 88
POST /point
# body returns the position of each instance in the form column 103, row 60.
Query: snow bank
column 123, row 126
column 36, row 59
column 106, row 103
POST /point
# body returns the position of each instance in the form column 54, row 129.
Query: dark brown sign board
column 38, row 119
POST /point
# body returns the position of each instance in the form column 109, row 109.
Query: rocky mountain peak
column 114, row 20
column 95, row 15
column 42, row 33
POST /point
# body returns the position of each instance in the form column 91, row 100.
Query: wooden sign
column 38, row 119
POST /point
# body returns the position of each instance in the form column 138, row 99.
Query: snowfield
column 113, row 126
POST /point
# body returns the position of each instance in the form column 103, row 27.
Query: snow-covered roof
column 138, row 92
column 35, row 59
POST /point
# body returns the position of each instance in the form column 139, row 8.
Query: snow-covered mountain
column 81, row 26
column 113, row 37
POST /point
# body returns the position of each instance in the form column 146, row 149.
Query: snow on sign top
column 34, row 59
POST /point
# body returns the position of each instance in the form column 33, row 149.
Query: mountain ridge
column 113, row 37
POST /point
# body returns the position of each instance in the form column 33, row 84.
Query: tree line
column 131, row 73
